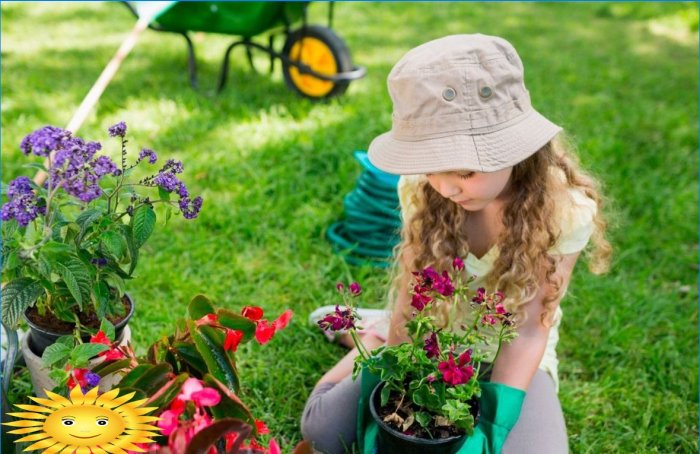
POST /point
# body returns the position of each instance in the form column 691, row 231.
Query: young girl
column 489, row 179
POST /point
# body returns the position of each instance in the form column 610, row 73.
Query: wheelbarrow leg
column 249, row 54
column 223, row 75
column 191, row 61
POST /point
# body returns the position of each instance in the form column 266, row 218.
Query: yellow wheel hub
column 317, row 55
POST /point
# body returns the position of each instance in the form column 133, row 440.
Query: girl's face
column 473, row 191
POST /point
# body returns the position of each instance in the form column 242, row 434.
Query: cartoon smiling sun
column 85, row 423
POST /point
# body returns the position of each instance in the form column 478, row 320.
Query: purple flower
column 19, row 186
column 443, row 285
column 118, row 130
column 190, row 208
column 103, row 166
column 167, row 181
column 172, row 166
column 432, row 346
column 92, row 379
column 355, row 289
column 340, row 319
column 148, row 153
column 100, row 261
column 24, row 206
column 43, row 141
column 182, row 190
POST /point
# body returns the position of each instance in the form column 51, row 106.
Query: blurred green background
column 621, row 78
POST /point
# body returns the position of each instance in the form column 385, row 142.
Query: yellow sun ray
column 33, row 408
column 82, row 449
column 59, row 398
column 22, row 423
column 107, row 397
column 98, row 450
column 54, row 449
column 43, row 444
column 34, row 437
column 113, row 449
column 28, row 415
column 46, row 402
column 28, row 430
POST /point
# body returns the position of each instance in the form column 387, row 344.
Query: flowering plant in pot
column 428, row 388
column 70, row 244
column 191, row 377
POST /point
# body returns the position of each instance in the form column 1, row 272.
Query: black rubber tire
column 337, row 46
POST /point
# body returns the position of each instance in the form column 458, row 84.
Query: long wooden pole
column 100, row 85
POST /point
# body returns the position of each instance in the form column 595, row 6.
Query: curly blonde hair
column 433, row 234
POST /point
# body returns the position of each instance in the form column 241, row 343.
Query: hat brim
column 487, row 152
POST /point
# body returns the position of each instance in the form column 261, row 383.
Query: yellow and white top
column 576, row 213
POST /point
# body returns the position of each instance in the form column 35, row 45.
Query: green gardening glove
column 500, row 410
column 366, row 427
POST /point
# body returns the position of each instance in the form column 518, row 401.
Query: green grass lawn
column 273, row 169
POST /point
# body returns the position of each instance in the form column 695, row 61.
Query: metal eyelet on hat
column 485, row 92
column 449, row 93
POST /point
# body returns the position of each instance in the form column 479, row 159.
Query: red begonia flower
column 254, row 313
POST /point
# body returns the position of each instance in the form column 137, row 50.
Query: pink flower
column 340, row 287
column 261, row 427
column 432, row 347
column 355, row 289
column 480, row 295
column 419, row 300
column 207, row 397
column 264, row 332
column 501, row 309
column 457, row 374
column 488, row 320
column 191, row 386
column 232, row 339
column 283, row 320
column 253, row 313
column 340, row 319
column 458, row 264
column 274, row 448
column 168, row 422
column 112, row 354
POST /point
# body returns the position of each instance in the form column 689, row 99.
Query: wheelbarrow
column 315, row 61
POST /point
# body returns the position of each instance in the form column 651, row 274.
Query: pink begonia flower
column 253, row 313
column 233, row 339
column 274, row 448
column 209, row 319
column 207, row 397
column 191, row 385
column 168, row 421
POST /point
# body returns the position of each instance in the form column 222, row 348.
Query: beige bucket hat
column 460, row 103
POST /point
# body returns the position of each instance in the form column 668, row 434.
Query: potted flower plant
column 426, row 399
column 192, row 379
column 70, row 244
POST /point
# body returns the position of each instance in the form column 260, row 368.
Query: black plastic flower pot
column 40, row 338
column 391, row 441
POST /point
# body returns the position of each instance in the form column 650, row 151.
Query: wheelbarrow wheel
column 324, row 52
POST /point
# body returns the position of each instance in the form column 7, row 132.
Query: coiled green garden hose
column 370, row 229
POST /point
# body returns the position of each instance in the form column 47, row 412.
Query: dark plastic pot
column 390, row 441
column 39, row 338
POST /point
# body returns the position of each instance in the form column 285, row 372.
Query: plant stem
column 360, row 346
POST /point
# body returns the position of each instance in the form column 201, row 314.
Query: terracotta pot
column 391, row 441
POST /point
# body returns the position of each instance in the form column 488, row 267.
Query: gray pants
column 329, row 419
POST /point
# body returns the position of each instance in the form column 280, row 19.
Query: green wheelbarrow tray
column 250, row 19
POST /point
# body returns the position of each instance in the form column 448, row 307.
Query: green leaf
column 423, row 418
column 384, row 397
column 232, row 320
column 101, row 301
column 77, row 278
column 230, row 406
column 44, row 266
column 116, row 282
column 17, row 296
column 107, row 327
column 199, row 307
column 68, row 340
column 142, row 223
column 209, row 342
column 136, row 373
column 131, row 246
column 59, row 376
column 113, row 243
column 83, row 352
column 86, row 219
column 154, row 378
column 55, row 353
column 11, row 261
column 163, row 194
column 188, row 352
column 162, row 398
column 107, row 367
